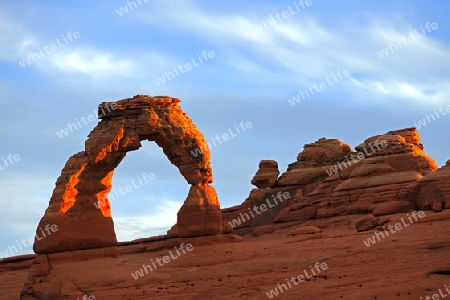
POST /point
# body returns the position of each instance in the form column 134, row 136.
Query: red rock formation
column 433, row 190
column 267, row 174
column 313, row 161
column 315, row 199
column 199, row 214
column 384, row 175
column 383, row 168
column 86, row 177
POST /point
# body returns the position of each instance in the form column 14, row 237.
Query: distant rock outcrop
column 385, row 174
column 313, row 162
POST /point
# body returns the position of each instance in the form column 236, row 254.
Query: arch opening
column 145, row 197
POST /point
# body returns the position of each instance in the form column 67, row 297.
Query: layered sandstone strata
column 385, row 174
column 369, row 183
column 313, row 161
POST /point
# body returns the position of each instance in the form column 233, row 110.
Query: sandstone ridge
column 386, row 174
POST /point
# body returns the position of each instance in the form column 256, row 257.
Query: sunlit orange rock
column 87, row 176
column 68, row 198
column 199, row 214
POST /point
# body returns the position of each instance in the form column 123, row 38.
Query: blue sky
column 252, row 76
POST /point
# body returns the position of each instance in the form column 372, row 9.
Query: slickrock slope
column 406, row 265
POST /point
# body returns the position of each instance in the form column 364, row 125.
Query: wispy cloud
column 304, row 49
column 93, row 63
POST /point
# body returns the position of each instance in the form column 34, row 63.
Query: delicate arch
column 87, row 176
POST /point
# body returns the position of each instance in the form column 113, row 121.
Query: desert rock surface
column 409, row 264
column 371, row 222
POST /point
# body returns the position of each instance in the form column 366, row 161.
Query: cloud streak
column 306, row 48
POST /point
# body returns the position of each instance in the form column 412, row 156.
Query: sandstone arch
column 87, row 176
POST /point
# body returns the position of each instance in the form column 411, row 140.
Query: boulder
column 393, row 207
column 267, row 174
column 304, row 230
column 366, row 223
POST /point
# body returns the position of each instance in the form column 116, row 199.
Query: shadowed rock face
column 433, row 190
column 86, row 178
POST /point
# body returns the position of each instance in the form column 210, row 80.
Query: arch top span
column 127, row 122
column 86, row 179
